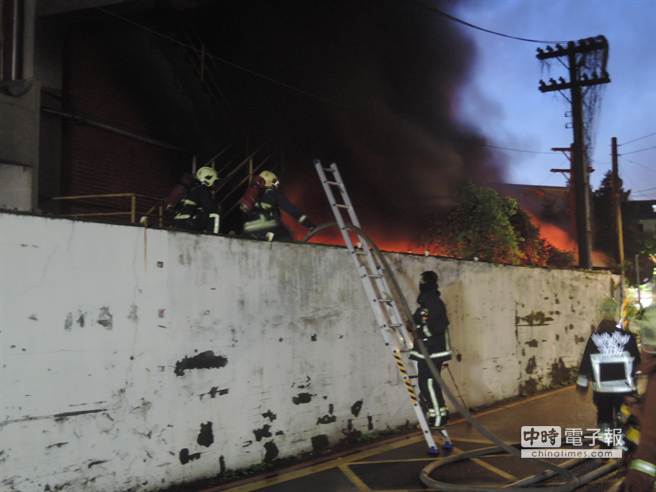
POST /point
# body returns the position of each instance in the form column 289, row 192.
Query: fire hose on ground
column 571, row 482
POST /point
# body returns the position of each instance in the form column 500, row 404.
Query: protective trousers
column 430, row 397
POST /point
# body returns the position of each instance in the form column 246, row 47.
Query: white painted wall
column 96, row 322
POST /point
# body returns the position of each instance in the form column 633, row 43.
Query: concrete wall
column 135, row 359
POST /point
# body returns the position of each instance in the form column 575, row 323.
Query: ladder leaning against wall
column 376, row 287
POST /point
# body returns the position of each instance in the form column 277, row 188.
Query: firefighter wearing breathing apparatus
column 262, row 204
column 198, row 210
column 432, row 327
column 639, row 414
column 609, row 364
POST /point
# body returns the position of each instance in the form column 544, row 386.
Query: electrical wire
column 636, row 139
column 519, row 150
column 639, row 150
column 641, row 165
column 479, row 28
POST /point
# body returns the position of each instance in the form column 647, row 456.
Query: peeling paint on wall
column 204, row 360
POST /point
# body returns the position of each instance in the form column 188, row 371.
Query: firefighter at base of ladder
column 609, row 362
column 432, row 326
column 262, row 204
column 640, row 415
column 198, row 210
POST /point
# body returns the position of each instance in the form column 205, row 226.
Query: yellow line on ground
column 470, row 440
column 378, row 462
column 490, row 467
column 303, row 472
column 356, row 457
column 353, row 478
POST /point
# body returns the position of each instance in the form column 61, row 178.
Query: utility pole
column 575, row 53
column 617, row 206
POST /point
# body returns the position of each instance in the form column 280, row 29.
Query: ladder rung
column 359, row 252
column 375, row 275
column 341, row 205
column 384, row 299
column 333, row 183
column 396, row 326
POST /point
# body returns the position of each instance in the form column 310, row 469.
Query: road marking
column 353, row 478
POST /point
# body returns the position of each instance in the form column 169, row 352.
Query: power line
column 641, row 165
column 519, row 150
column 639, row 138
column 639, row 150
column 479, row 28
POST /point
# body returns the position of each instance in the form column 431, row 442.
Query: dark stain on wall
column 529, row 387
column 57, row 445
column 320, row 442
column 68, row 322
column 579, row 339
column 59, row 417
column 370, row 422
column 271, row 451
column 561, row 374
column 204, row 360
column 535, row 318
column 214, row 390
column 350, row 432
column 532, row 343
column 531, row 366
column 222, row 465
column 302, row 398
column 356, row 407
column 314, row 337
column 97, row 462
column 265, row 431
column 206, row 436
column 105, row 318
column 269, row 415
column 186, row 457
column 326, row 419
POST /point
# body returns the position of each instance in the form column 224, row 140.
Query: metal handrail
column 133, row 205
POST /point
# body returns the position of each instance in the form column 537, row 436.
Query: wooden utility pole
column 617, row 206
column 575, row 53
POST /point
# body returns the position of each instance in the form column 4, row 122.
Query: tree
column 490, row 227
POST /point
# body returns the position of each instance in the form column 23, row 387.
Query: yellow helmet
column 609, row 309
column 270, row 179
column 207, row 176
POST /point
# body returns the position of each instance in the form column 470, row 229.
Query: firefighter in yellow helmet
column 262, row 204
column 198, row 210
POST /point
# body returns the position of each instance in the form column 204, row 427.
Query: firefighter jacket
column 266, row 213
column 610, row 360
column 197, row 205
column 434, row 330
column 642, row 463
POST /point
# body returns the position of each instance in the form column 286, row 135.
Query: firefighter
column 198, row 210
column 262, row 204
column 609, row 363
column 432, row 327
column 641, row 475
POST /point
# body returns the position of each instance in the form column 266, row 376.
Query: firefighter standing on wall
column 198, row 210
column 432, row 327
column 641, row 435
column 262, row 204
column 609, row 362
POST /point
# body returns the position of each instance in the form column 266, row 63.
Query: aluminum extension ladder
column 372, row 275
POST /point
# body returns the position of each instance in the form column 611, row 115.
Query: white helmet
column 207, row 176
column 270, row 179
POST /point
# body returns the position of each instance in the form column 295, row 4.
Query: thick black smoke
column 387, row 73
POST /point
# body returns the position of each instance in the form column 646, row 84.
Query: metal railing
column 156, row 210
